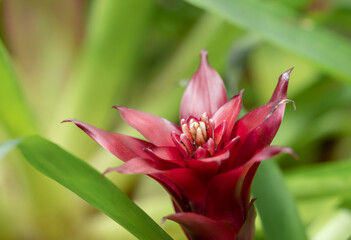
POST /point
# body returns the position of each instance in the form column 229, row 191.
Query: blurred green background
column 75, row 59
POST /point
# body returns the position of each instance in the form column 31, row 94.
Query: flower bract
column 206, row 163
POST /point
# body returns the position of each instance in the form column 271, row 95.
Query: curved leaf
column 14, row 111
column 90, row 185
column 276, row 205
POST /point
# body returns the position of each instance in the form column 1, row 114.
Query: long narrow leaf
column 14, row 111
column 280, row 25
column 87, row 183
column 17, row 121
column 275, row 205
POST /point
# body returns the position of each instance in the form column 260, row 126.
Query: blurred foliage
column 76, row 59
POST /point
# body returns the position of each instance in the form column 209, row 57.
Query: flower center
column 198, row 133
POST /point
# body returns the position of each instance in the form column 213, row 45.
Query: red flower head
column 206, row 164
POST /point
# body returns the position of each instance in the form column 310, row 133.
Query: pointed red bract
column 208, row 163
column 143, row 166
column 122, row 146
column 259, row 137
column 157, row 130
column 166, row 153
column 282, row 86
column 204, row 93
column 253, row 119
column 229, row 112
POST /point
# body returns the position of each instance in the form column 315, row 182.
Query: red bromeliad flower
column 206, row 164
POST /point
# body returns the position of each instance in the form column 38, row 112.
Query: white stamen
column 187, row 132
column 193, row 131
column 199, row 137
column 204, row 118
column 198, row 133
column 203, row 129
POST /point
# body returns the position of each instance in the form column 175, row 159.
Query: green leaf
column 87, row 183
column 14, row 111
column 281, row 26
column 275, row 205
column 328, row 179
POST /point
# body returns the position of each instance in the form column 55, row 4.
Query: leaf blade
column 276, row 205
column 14, row 111
column 87, row 183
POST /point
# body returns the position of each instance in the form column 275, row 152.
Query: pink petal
column 282, row 87
column 122, row 146
column 251, row 120
column 219, row 134
column 258, row 128
column 143, row 166
column 179, row 145
column 153, row 156
column 260, row 137
column 157, row 130
column 270, row 152
column 186, row 142
column 218, row 158
column 229, row 145
column 229, row 112
column 204, row 93
column 166, row 153
column 203, row 228
column 210, row 146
